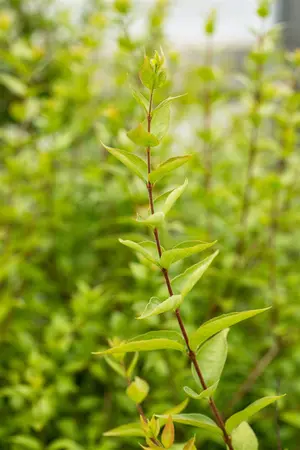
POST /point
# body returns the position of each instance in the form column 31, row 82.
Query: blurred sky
column 184, row 25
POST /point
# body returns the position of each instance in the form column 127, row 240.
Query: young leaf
column 142, row 137
column 195, row 420
column 154, row 220
column 160, row 122
column 168, row 166
column 146, row 73
column 243, row 438
column 168, row 433
column 139, row 97
column 212, row 357
column 154, row 340
column 187, row 280
column 154, row 308
column 217, row 324
column 166, row 102
column 204, row 394
column 115, row 366
column 13, row 84
column 130, row 429
column 173, row 197
column 138, row 247
column 132, row 365
column 190, row 445
column 182, row 251
column 138, row 390
column 133, row 162
column 242, row 416
column 178, row 408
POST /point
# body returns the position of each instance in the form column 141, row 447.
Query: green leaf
column 154, row 340
column 138, row 390
column 26, row 442
column 130, row 429
column 13, row 84
column 153, row 308
column 211, row 358
column 242, row 416
column 139, row 97
column 64, row 444
column 140, row 136
column 173, row 197
column 132, row 365
column 178, row 408
column 168, row 166
column 115, row 366
column 139, row 248
column 133, row 162
column 195, row 420
column 160, row 122
column 154, row 220
column 190, row 445
column 146, row 73
column 217, row 324
column 292, row 418
column 182, row 251
column 187, row 280
column 166, row 102
column 168, row 434
column 243, row 438
column 204, row 394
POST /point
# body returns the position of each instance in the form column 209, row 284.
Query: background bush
column 65, row 283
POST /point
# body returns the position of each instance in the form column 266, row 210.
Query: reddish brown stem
column 191, row 353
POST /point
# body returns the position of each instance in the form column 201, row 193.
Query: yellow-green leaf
column 213, row 326
column 139, row 248
column 195, row 420
column 168, row 433
column 182, row 251
column 142, row 137
column 178, row 408
column 243, row 438
column 155, row 308
column 131, row 161
column 167, row 166
column 204, row 394
column 242, row 416
column 13, row 84
column 173, row 197
column 138, row 390
column 130, row 429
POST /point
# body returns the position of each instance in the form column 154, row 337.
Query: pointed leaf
column 217, row 324
column 182, row 251
column 166, row 102
column 130, row 429
column 195, row 420
column 140, row 136
column 178, row 408
column 154, row 340
column 242, row 416
column 168, row 433
column 153, row 308
column 115, row 366
column 13, row 84
column 138, row 390
column 168, row 166
column 132, row 365
column 133, row 162
column 138, row 247
column 187, row 280
column 154, row 220
column 204, row 394
column 146, row 73
column 139, row 97
column 190, row 445
column 243, row 438
column 211, row 358
column 173, row 197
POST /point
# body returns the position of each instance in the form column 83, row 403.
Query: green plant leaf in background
column 242, row 416
column 13, row 84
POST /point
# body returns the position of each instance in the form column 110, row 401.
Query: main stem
column 191, row 353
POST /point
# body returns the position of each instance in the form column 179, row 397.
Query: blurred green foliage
column 67, row 286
